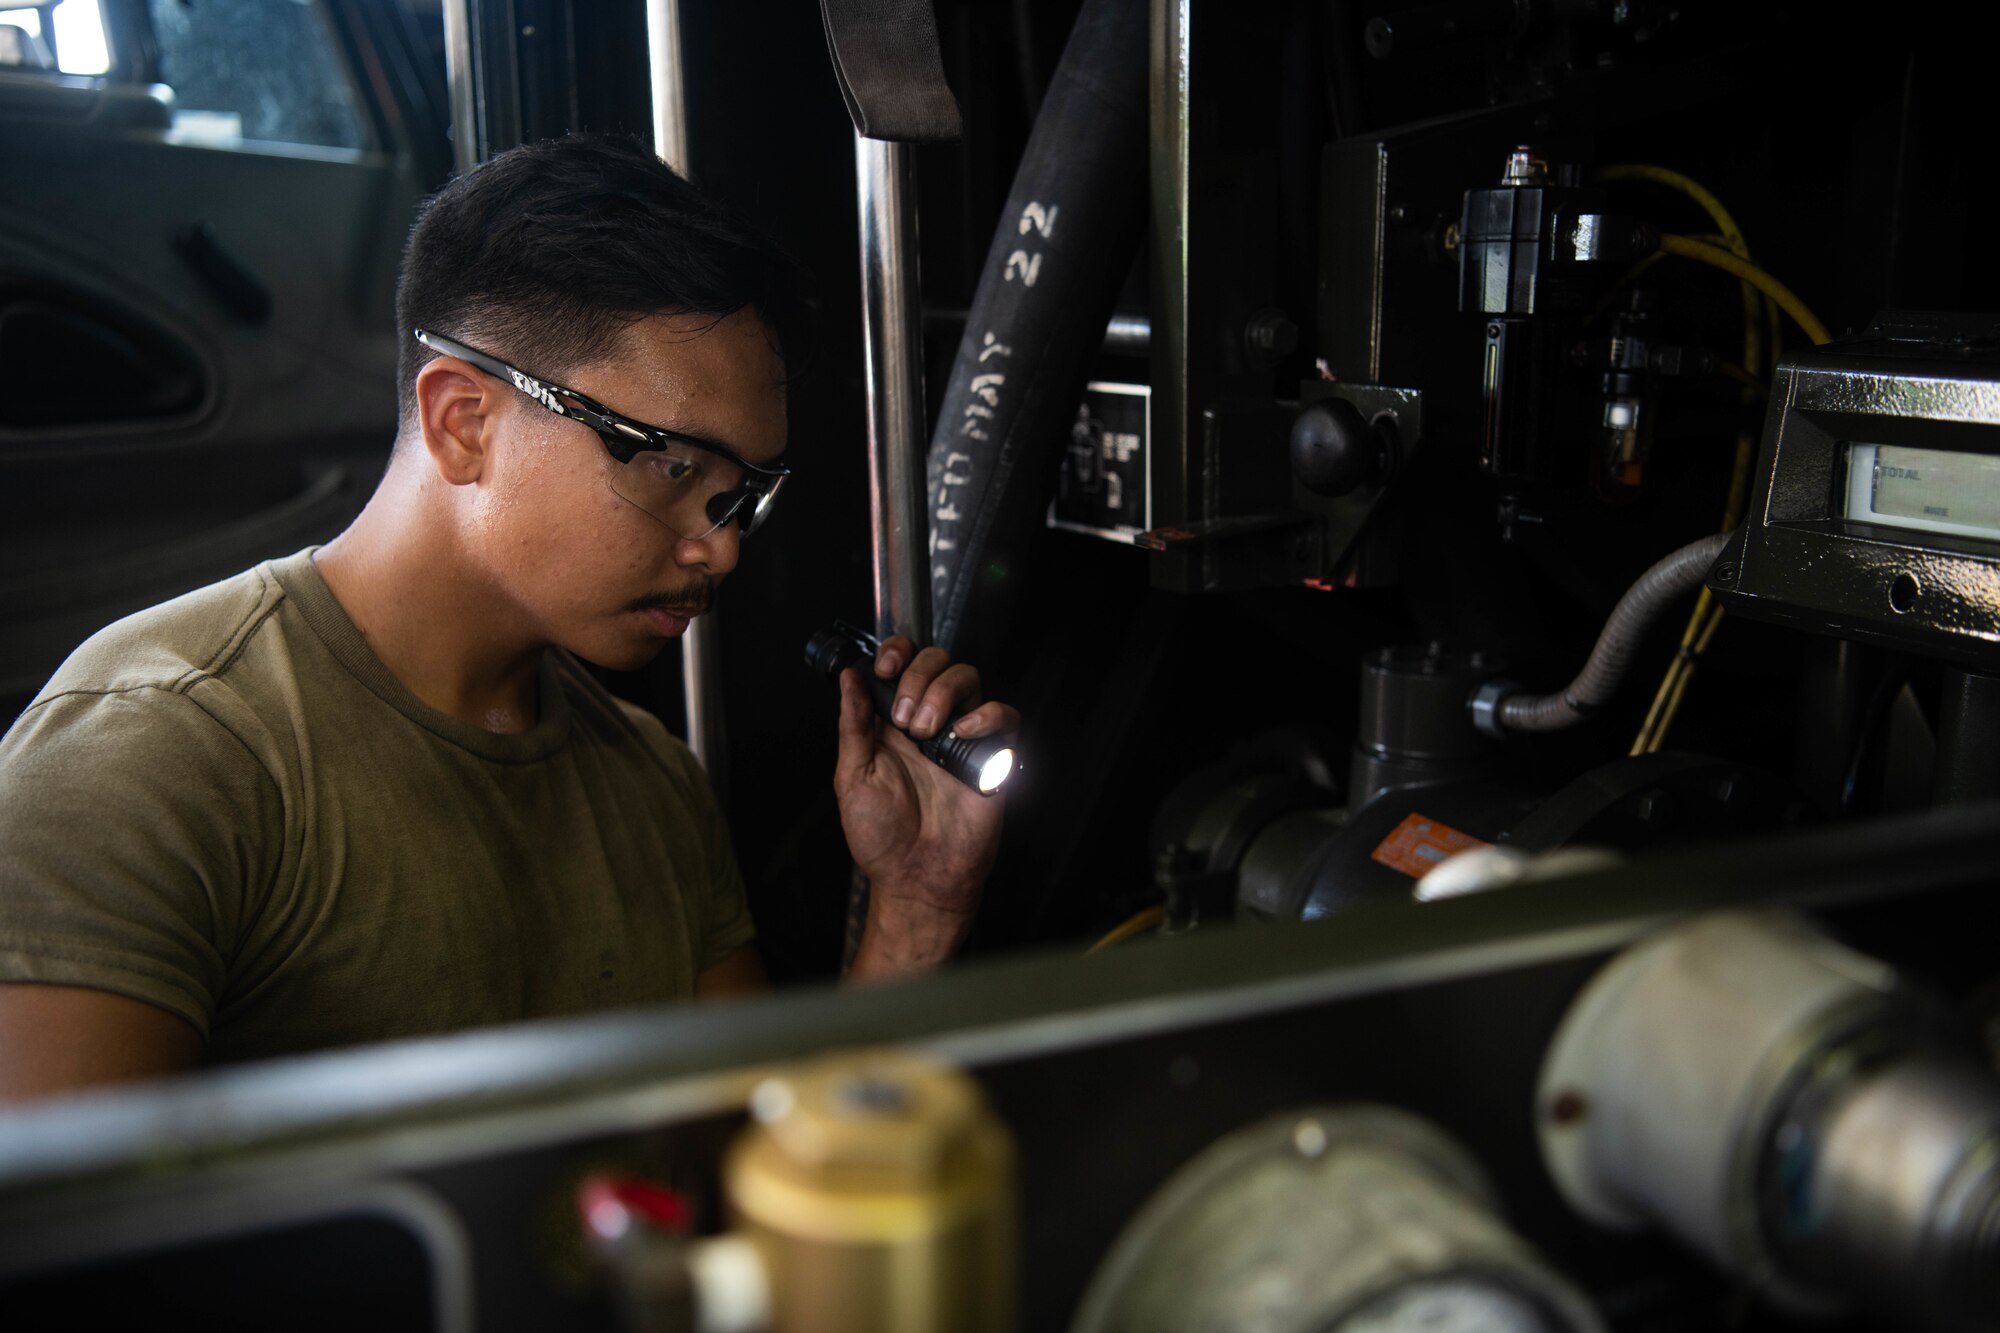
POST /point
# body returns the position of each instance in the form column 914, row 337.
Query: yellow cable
column 1732, row 240
column 1680, row 685
column 1138, row 922
column 1674, row 668
column 1732, row 235
column 1760, row 351
column 1716, row 257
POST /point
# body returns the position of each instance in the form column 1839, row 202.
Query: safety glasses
column 692, row 486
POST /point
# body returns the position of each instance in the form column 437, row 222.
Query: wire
column 1760, row 356
column 1673, row 688
column 1732, row 240
column 1729, row 370
column 1732, row 235
column 1687, row 247
column 1688, row 662
column 1136, row 924
column 1643, row 743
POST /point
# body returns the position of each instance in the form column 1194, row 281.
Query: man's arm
column 60, row 1038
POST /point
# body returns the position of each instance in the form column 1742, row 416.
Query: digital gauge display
column 1930, row 490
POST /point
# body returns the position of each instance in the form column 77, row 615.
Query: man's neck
column 450, row 636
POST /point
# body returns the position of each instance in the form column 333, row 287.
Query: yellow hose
column 1763, row 297
column 1732, row 240
column 1687, row 665
column 1717, row 257
column 1138, row 922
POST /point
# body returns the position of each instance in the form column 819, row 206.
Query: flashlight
column 983, row 764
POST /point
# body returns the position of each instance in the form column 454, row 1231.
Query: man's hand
column 925, row 840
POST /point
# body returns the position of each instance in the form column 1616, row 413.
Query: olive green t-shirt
column 227, row 806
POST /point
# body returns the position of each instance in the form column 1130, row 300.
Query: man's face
column 591, row 571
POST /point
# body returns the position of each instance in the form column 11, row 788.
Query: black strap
column 886, row 55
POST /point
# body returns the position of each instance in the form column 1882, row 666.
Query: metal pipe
column 892, row 324
column 461, row 80
column 663, row 61
column 1170, row 92
column 701, row 643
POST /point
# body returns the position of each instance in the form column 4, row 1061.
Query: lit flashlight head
column 983, row 763
column 995, row 770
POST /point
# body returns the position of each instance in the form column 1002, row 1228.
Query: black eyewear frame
column 625, row 438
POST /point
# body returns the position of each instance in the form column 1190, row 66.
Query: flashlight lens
column 996, row 770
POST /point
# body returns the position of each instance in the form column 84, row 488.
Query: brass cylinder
column 880, row 1190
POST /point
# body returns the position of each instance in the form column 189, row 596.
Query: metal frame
column 512, row 1088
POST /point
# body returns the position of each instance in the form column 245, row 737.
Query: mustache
column 694, row 599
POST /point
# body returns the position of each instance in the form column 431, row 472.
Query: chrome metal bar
column 1172, row 137
column 462, row 81
column 892, row 323
column 701, row 643
column 663, row 57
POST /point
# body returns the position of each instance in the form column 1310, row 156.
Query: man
column 367, row 791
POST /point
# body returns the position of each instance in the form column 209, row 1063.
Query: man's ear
column 457, row 411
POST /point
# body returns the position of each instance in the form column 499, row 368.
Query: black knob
column 1336, row 451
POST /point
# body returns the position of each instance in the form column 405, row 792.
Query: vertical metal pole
column 892, row 324
column 462, row 81
column 701, row 643
column 663, row 58
column 892, row 337
column 1177, row 468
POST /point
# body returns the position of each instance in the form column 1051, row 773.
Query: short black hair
column 545, row 253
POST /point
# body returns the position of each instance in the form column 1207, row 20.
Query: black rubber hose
column 1677, row 574
column 1065, row 241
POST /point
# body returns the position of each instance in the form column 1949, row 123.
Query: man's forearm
column 905, row 936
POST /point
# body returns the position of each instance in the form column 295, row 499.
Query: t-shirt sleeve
column 132, row 824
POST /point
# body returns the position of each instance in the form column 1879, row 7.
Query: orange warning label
column 1416, row 845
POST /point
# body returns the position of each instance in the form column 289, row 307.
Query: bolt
column 1725, row 573
column 1568, row 1107
column 1397, row 213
